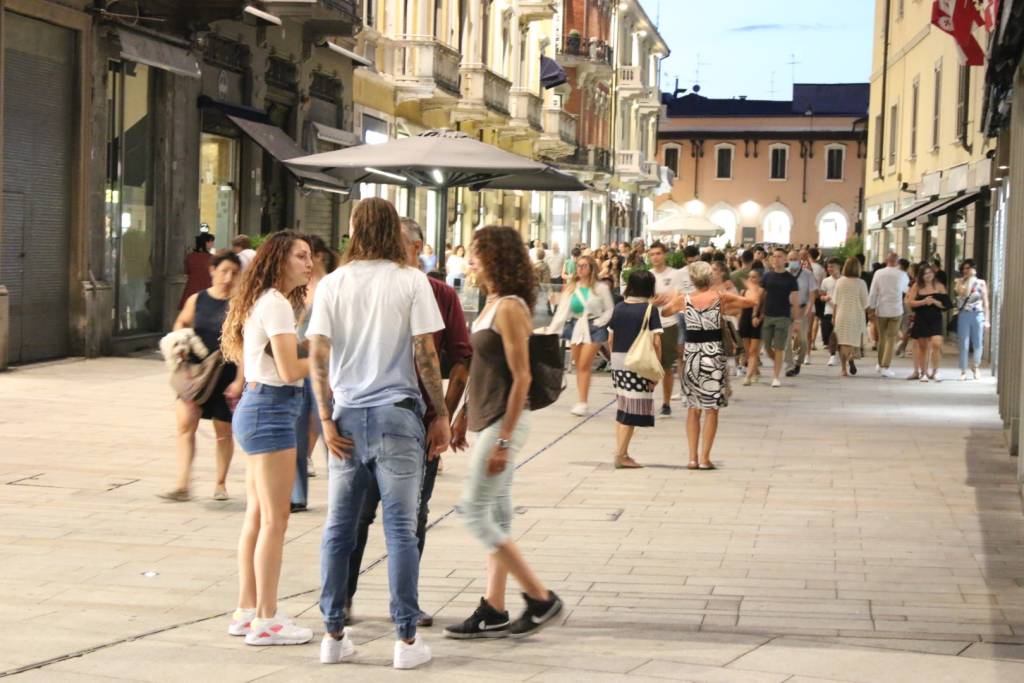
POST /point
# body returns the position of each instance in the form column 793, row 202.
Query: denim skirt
column 264, row 420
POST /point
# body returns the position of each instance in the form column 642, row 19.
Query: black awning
column 914, row 212
column 143, row 49
column 233, row 110
column 281, row 146
column 899, row 215
column 954, row 203
column 551, row 74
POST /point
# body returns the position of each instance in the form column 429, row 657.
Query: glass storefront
column 129, row 217
column 218, row 187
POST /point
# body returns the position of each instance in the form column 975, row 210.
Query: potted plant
column 572, row 42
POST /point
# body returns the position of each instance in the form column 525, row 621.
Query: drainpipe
column 885, row 80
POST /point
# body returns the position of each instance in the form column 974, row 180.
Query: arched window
column 777, row 226
column 725, row 217
column 832, row 228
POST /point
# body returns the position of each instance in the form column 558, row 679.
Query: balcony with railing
column 426, row 70
column 650, row 98
column 630, row 81
column 536, row 10
column 484, row 91
column 321, row 12
column 591, row 159
column 559, row 136
column 525, row 114
column 627, row 162
column 576, row 51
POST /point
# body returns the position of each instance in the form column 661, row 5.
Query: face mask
column 794, row 265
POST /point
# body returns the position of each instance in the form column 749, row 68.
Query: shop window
column 218, row 187
column 130, row 216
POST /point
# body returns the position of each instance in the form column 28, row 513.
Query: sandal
column 708, row 466
column 627, row 463
column 177, row 495
column 692, row 465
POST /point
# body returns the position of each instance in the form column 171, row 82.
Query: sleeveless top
column 490, row 379
column 209, row 319
column 703, row 326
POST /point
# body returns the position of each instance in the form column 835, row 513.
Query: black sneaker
column 537, row 614
column 486, row 622
column 666, row 410
column 853, row 367
column 793, row 372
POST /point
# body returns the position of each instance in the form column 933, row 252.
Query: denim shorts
column 598, row 335
column 264, row 420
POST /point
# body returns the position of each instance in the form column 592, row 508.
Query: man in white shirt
column 667, row 285
column 807, row 288
column 242, row 246
column 370, row 332
column 556, row 261
column 885, row 303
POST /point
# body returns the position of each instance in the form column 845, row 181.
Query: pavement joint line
column 172, row 627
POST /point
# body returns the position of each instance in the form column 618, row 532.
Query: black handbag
column 546, row 370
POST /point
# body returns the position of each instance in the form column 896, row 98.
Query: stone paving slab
column 867, row 530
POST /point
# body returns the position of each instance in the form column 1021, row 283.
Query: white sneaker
column 923, row 378
column 579, row 410
column 410, row 656
column 878, row 369
column 677, row 396
column 887, row 372
column 310, row 469
column 832, row 361
column 333, row 650
column 807, row 361
column 776, row 384
column 277, row 631
column 240, row 622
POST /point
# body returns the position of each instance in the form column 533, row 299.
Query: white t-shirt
column 246, row 256
column 555, row 262
column 668, row 281
column 683, row 282
column 456, row 265
column 270, row 316
column 828, row 288
column 371, row 310
column 819, row 272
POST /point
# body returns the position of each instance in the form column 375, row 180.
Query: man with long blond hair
column 372, row 329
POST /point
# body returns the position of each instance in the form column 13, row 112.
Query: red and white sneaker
column 240, row 622
column 277, row 631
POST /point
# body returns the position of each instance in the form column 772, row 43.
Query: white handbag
column 641, row 357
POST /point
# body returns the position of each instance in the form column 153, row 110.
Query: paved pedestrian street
column 864, row 530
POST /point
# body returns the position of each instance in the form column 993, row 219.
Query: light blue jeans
column 486, row 504
column 389, row 447
column 970, row 333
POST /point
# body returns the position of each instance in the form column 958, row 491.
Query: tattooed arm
column 319, row 371
column 428, row 365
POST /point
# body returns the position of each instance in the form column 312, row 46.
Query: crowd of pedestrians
column 354, row 349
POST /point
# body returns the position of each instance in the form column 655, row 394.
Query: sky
column 745, row 46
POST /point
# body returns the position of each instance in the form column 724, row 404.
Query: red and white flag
column 958, row 18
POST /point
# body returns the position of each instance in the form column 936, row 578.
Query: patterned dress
column 704, row 361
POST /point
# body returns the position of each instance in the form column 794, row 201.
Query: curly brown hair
column 505, row 264
column 266, row 271
column 376, row 233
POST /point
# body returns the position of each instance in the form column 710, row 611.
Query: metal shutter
column 38, row 121
column 319, row 215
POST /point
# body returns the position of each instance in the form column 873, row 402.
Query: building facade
column 927, row 185
column 775, row 171
column 156, row 121
column 1003, row 120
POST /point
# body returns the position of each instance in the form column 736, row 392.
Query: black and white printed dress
column 704, row 363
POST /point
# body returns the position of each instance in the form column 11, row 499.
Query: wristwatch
column 503, row 444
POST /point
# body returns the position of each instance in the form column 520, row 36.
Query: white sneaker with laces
column 832, row 361
column 807, row 360
column 333, row 650
column 410, row 656
column 776, row 383
column 887, row 372
column 923, row 378
column 878, row 369
column 277, row 631
column 579, row 410
column 240, row 621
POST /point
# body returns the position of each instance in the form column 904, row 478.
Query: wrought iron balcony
column 593, row 50
column 593, row 159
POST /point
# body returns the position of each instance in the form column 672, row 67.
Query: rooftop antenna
column 792, row 65
column 696, row 78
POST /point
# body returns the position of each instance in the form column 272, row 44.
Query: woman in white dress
column 850, row 301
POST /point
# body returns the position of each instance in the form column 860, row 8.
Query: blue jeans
column 389, row 447
column 970, row 328
column 307, row 414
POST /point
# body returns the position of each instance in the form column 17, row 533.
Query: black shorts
column 819, row 309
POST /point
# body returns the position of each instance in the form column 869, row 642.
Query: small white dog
column 177, row 345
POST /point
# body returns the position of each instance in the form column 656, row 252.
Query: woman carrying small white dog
column 204, row 312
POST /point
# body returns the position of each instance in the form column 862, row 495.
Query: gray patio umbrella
column 440, row 160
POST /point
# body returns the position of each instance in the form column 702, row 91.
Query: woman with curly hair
column 260, row 330
column 584, row 311
column 496, row 410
